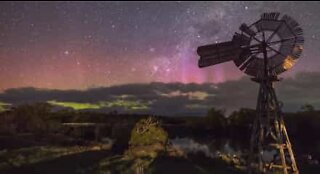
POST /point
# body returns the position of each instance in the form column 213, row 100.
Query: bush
column 148, row 132
column 147, row 141
column 35, row 118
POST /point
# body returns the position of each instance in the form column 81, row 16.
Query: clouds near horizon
column 178, row 98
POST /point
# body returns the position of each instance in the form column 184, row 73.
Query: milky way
column 79, row 45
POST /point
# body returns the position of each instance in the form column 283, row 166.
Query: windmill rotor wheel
column 281, row 39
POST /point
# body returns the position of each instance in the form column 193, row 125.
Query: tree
column 215, row 118
column 34, row 118
column 148, row 132
column 148, row 140
column 307, row 108
column 242, row 118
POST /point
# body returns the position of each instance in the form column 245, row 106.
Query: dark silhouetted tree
column 215, row 118
column 307, row 108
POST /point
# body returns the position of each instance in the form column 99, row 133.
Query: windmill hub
column 263, row 44
column 263, row 50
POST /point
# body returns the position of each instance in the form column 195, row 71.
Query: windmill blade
column 274, row 32
column 244, row 28
column 290, row 21
column 245, row 64
column 255, row 68
column 243, row 41
column 270, row 16
column 282, row 39
column 218, row 53
column 243, row 57
column 291, row 29
column 297, row 51
column 274, row 61
column 285, row 65
column 267, row 25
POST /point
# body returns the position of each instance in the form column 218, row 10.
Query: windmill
column 263, row 50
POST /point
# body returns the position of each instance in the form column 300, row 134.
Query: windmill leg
column 280, row 146
column 284, row 137
column 289, row 147
column 252, row 144
column 261, row 151
column 255, row 133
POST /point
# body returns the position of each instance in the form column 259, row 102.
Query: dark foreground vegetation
column 35, row 138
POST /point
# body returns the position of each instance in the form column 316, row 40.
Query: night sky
column 80, row 45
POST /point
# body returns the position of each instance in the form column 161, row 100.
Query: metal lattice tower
column 263, row 50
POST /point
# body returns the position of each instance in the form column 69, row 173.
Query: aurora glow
column 128, row 105
column 80, row 45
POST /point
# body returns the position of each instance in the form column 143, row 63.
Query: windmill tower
column 263, row 50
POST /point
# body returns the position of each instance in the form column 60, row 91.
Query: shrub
column 148, row 132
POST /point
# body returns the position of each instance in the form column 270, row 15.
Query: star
column 155, row 68
column 152, row 49
column 155, row 41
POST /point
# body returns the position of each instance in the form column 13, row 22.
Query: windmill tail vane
column 263, row 50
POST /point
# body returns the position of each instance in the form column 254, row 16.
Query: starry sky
column 80, row 45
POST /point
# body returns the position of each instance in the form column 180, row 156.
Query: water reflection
column 211, row 148
column 214, row 148
column 188, row 145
